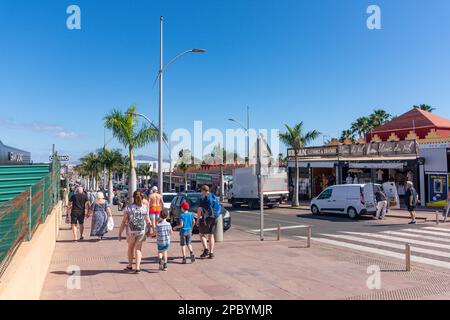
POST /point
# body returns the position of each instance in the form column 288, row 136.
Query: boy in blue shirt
column 185, row 227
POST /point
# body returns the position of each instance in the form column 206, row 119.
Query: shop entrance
column 321, row 179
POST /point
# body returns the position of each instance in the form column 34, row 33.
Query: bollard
column 308, row 243
column 408, row 256
column 279, row 232
column 218, row 234
column 437, row 217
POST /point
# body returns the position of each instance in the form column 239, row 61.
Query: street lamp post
column 247, row 129
column 162, row 68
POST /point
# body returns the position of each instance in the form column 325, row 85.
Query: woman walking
column 136, row 219
column 100, row 212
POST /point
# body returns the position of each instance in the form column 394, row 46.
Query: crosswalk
column 429, row 245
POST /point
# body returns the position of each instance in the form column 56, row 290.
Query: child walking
column 164, row 231
column 185, row 227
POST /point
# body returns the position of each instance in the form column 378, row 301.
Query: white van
column 351, row 199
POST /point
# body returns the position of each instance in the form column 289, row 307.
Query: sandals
column 128, row 268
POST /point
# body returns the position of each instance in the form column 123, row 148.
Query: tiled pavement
column 244, row 268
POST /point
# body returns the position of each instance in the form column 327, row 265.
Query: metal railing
column 21, row 216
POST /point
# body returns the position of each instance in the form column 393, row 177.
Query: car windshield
column 194, row 200
column 168, row 197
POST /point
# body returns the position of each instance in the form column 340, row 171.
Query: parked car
column 167, row 199
column 193, row 198
column 351, row 199
column 120, row 197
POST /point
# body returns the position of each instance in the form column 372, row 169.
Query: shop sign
column 373, row 149
column 204, row 177
column 438, row 188
column 15, row 157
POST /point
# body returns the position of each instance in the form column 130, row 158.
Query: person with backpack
column 411, row 199
column 208, row 212
column 137, row 221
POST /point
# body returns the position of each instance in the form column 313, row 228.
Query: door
column 369, row 197
column 324, row 200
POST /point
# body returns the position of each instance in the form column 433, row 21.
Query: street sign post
column 263, row 156
column 60, row 158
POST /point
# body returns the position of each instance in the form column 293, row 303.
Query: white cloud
column 39, row 126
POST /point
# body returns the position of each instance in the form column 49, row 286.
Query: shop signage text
column 15, row 157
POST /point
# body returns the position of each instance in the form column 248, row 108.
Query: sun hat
column 154, row 189
column 100, row 195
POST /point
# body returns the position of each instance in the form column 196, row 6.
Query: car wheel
column 315, row 210
column 352, row 213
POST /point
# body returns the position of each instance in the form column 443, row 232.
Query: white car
column 350, row 199
column 167, row 199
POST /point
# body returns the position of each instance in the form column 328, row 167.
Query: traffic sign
column 60, row 158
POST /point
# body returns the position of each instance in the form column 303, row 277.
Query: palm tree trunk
column 110, row 187
column 295, row 200
column 185, row 181
column 132, row 179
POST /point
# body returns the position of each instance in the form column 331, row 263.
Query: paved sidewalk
column 244, row 268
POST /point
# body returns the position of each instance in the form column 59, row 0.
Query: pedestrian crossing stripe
column 428, row 232
column 407, row 240
column 390, row 245
column 417, row 236
column 437, row 229
column 387, row 253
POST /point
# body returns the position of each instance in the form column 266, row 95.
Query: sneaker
column 184, row 260
column 211, row 256
column 192, row 257
column 165, row 266
column 81, row 238
column 412, row 222
column 205, row 253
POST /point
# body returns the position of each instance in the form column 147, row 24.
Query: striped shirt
column 164, row 230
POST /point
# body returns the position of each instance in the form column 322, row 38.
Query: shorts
column 134, row 238
column 163, row 248
column 411, row 208
column 185, row 238
column 76, row 217
column 208, row 225
column 154, row 215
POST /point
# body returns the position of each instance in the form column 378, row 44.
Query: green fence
column 21, row 215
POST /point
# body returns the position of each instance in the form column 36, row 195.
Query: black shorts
column 208, row 225
column 77, row 217
column 411, row 208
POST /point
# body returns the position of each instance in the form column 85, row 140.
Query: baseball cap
column 185, row 205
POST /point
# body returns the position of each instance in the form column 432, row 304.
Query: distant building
column 142, row 160
column 13, row 156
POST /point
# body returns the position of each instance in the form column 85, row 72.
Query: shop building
column 13, row 156
column 413, row 147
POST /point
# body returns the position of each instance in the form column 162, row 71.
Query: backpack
column 216, row 208
column 136, row 222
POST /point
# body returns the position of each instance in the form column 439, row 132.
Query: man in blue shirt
column 185, row 226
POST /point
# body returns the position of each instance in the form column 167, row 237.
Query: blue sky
column 290, row 60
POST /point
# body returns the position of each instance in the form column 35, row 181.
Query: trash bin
column 218, row 235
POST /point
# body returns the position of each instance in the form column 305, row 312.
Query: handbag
column 110, row 225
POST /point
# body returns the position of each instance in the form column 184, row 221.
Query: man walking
column 381, row 204
column 207, row 222
column 411, row 199
column 78, row 206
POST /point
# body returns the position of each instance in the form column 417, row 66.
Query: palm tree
column 124, row 128
column 378, row 118
column 111, row 161
column 146, row 171
column 92, row 165
column 296, row 139
column 347, row 135
column 425, row 107
column 361, row 126
column 184, row 162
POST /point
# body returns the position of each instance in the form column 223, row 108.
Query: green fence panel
column 13, row 226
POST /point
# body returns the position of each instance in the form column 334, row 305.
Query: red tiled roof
column 415, row 118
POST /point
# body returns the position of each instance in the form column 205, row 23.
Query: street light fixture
column 162, row 68
column 247, row 129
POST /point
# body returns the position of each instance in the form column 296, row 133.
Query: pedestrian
column 447, row 209
column 156, row 204
column 207, row 221
column 100, row 211
column 136, row 219
column 349, row 179
column 164, row 231
column 78, row 207
column 382, row 204
column 411, row 199
column 185, row 226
